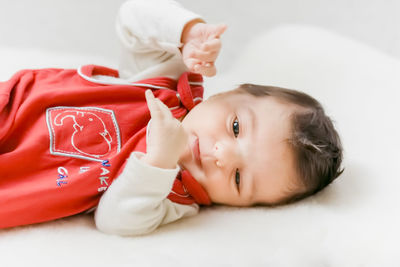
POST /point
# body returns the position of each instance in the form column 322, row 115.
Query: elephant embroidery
column 88, row 132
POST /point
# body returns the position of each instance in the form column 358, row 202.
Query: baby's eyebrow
column 253, row 124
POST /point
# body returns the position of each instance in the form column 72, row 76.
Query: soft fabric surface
column 354, row 222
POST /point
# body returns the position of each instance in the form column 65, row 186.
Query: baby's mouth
column 190, row 159
column 195, row 147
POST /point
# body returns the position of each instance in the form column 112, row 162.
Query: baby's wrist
column 158, row 162
column 185, row 37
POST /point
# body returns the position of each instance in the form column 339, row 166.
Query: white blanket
column 354, row 222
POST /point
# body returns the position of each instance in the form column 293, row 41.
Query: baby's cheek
column 216, row 191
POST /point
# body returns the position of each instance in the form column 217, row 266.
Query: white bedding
column 353, row 223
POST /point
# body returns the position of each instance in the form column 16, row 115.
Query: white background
column 355, row 222
column 87, row 26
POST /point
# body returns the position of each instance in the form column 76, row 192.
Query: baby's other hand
column 167, row 138
column 201, row 46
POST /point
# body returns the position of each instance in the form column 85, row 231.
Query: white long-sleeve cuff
column 145, row 179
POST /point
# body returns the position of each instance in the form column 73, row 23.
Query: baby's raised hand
column 201, row 46
column 166, row 139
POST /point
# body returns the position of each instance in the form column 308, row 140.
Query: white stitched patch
column 83, row 132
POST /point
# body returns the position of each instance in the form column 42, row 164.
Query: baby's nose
column 225, row 154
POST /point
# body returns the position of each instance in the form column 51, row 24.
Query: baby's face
column 243, row 159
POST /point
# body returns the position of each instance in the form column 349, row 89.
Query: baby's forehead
column 265, row 109
column 247, row 98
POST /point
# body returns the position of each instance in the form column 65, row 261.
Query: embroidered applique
column 83, row 132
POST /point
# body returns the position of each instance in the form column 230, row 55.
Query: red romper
column 64, row 137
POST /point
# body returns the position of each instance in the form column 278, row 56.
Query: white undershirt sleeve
column 136, row 202
column 150, row 35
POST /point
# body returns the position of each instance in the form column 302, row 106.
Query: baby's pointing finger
column 154, row 108
column 163, row 108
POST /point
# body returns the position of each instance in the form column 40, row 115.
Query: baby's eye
column 235, row 127
column 237, row 179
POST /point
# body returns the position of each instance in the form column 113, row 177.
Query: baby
column 82, row 140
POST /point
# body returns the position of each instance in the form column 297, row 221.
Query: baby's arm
column 161, row 38
column 136, row 203
column 150, row 35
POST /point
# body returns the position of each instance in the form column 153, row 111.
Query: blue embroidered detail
column 62, row 174
column 105, row 163
column 59, row 182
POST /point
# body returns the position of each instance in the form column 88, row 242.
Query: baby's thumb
column 220, row 29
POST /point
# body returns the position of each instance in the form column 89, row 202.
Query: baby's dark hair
column 314, row 140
